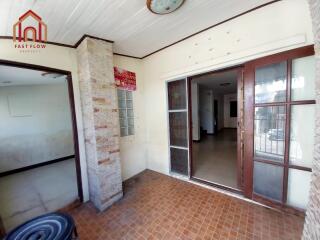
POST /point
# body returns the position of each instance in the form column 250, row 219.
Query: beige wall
column 277, row 27
column 132, row 148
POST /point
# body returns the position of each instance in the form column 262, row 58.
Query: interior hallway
column 34, row 192
column 214, row 158
column 156, row 206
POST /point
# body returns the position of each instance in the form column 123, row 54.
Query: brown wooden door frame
column 240, row 162
column 249, row 82
column 72, row 110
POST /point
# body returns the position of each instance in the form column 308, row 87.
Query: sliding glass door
column 178, row 126
column 283, row 105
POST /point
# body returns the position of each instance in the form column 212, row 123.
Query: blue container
column 52, row 226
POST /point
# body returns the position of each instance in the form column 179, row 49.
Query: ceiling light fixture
column 51, row 75
column 164, row 6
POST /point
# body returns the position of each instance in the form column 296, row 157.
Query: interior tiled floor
column 156, row 206
column 34, row 192
column 215, row 158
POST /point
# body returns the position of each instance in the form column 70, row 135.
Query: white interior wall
column 206, row 110
column 61, row 58
column 132, row 148
column 229, row 122
column 277, row 27
column 195, row 111
column 35, row 125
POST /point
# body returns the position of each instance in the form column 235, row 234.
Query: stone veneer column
column 312, row 222
column 101, row 121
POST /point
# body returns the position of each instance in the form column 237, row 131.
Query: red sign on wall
column 125, row 80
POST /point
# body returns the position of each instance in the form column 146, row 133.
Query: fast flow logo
column 30, row 32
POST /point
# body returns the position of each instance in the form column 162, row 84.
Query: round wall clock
column 164, row 6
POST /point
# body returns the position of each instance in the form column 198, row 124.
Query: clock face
column 164, row 6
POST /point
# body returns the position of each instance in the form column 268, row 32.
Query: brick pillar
column 101, row 121
column 312, row 222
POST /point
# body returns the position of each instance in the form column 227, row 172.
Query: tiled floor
column 156, row 206
column 34, row 192
column 214, row 158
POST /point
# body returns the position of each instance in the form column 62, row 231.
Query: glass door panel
column 284, row 125
column 298, row 188
column 269, row 132
column 270, row 83
column 179, row 160
column 303, row 79
column 177, row 98
column 302, row 135
column 178, row 127
column 268, row 180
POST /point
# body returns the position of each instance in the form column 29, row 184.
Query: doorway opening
column 214, row 128
column 39, row 163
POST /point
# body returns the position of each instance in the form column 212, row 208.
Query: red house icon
column 39, row 33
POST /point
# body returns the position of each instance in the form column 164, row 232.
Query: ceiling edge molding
column 90, row 36
column 124, row 55
column 149, row 54
column 215, row 25
column 47, row 42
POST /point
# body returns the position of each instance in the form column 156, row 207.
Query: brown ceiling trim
column 77, row 44
column 48, row 42
column 86, row 35
column 215, row 25
column 124, row 55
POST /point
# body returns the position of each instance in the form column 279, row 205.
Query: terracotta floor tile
column 156, row 206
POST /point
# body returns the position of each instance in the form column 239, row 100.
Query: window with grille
column 126, row 116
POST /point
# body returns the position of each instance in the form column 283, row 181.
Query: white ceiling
column 135, row 30
column 213, row 81
column 14, row 76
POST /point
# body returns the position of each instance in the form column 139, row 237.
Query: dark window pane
column 268, row 180
column 269, row 133
column 178, row 129
column 271, row 83
column 233, row 109
column 179, row 160
column 177, row 95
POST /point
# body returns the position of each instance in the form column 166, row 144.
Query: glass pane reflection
column 269, row 133
column 271, row 81
column 177, row 95
column 302, row 135
column 178, row 129
column 268, row 180
column 298, row 188
column 303, row 79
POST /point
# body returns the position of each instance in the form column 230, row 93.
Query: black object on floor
column 52, row 226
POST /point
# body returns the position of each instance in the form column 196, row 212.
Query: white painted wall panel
column 278, row 27
column 36, row 130
column 132, row 148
